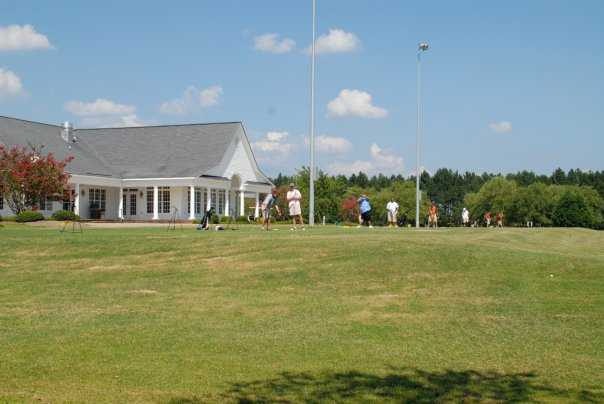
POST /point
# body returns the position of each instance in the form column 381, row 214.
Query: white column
column 76, row 199
column 192, row 203
column 155, row 203
column 257, row 208
column 241, row 203
column 226, row 202
column 120, row 209
column 209, row 199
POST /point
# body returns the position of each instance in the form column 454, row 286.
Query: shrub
column 64, row 215
column 572, row 211
column 29, row 216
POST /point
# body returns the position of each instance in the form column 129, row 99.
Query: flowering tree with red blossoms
column 27, row 176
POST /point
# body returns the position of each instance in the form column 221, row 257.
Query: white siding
column 241, row 165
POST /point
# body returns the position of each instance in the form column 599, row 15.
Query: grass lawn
column 330, row 314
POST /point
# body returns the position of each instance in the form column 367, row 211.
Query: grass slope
column 330, row 314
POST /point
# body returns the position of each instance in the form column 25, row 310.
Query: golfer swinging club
column 269, row 202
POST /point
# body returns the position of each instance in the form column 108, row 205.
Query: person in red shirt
column 487, row 218
column 433, row 216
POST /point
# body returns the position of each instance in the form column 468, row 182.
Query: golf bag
column 205, row 220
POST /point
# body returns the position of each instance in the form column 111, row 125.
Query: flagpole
column 311, row 205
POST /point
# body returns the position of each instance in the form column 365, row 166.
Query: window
column 68, row 205
column 45, row 204
column 150, row 200
column 213, row 204
column 97, row 198
column 199, row 203
column 132, row 206
column 164, row 199
column 221, row 201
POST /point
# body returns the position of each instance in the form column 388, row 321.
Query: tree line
column 573, row 198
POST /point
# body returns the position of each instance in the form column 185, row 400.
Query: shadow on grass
column 400, row 385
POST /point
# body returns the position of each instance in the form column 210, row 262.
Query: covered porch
column 158, row 199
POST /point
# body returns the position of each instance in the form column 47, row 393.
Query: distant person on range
column 499, row 218
column 392, row 208
column 295, row 210
column 269, row 202
column 465, row 217
column 365, row 209
column 487, row 218
column 433, row 216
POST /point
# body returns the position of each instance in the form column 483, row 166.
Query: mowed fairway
column 330, row 314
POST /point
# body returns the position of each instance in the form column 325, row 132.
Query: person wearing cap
column 269, row 202
column 365, row 210
column 295, row 210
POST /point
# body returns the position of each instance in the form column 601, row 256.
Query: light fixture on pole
column 311, row 205
column 422, row 47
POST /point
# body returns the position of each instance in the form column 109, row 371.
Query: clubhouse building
column 148, row 173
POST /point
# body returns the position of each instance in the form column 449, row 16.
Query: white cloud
column 382, row 161
column 336, row 41
column 110, row 121
column 330, row 144
column 273, row 145
column 272, row 43
column 501, row 127
column 10, row 83
column 103, row 113
column 276, row 136
column 98, row 107
column 192, row 99
column 22, row 37
column 210, row 96
column 351, row 168
column 355, row 103
column 386, row 160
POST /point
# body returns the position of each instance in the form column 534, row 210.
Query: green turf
column 330, row 314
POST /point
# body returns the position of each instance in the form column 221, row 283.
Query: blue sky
column 507, row 86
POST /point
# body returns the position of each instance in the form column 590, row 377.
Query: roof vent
column 67, row 133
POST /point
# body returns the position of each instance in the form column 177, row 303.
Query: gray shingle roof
column 19, row 132
column 135, row 152
column 161, row 151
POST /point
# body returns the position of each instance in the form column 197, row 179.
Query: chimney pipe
column 67, row 133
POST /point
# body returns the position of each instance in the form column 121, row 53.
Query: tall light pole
column 311, row 205
column 422, row 47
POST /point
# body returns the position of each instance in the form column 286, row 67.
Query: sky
column 507, row 86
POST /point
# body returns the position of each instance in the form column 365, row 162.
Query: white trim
column 92, row 180
column 159, row 179
column 264, row 189
column 178, row 182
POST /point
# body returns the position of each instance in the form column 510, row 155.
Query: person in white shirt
column 392, row 208
column 295, row 210
column 465, row 217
